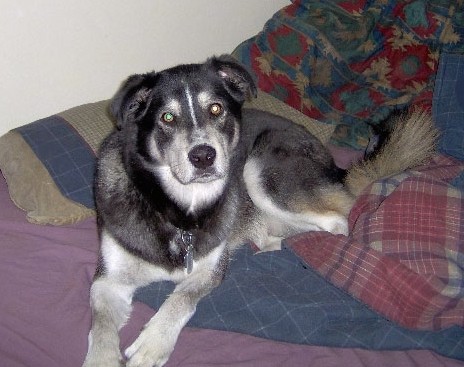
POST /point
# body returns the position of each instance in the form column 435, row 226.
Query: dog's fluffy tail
column 411, row 143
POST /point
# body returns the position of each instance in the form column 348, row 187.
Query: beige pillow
column 49, row 164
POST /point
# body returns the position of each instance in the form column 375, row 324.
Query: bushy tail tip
column 411, row 143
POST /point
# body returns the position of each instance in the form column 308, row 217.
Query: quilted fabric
column 64, row 153
column 273, row 295
column 448, row 104
column 404, row 256
column 345, row 62
column 49, row 164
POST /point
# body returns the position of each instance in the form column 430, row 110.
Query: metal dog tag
column 188, row 257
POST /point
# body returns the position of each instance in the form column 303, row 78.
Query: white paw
column 272, row 244
column 103, row 354
column 110, row 359
column 335, row 224
column 339, row 226
column 149, row 350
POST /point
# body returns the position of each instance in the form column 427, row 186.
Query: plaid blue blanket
column 275, row 295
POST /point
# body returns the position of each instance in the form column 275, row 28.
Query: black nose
column 202, row 156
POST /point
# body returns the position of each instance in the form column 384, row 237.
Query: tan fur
column 339, row 201
column 331, row 199
column 411, row 143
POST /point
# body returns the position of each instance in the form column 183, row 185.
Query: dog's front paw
column 149, row 350
column 110, row 359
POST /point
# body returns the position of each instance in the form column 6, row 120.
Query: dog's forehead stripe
column 190, row 105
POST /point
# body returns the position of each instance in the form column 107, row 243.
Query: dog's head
column 183, row 124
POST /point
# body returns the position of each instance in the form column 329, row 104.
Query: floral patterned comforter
column 351, row 62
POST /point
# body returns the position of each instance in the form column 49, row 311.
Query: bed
column 390, row 293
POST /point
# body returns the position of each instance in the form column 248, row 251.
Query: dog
column 189, row 175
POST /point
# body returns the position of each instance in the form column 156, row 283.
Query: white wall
column 59, row 54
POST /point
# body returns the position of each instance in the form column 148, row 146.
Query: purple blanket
column 45, row 277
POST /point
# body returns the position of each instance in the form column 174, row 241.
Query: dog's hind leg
column 290, row 206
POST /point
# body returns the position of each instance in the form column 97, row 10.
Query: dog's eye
column 215, row 109
column 167, row 117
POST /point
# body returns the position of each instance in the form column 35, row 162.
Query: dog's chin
column 205, row 178
column 199, row 192
column 199, row 176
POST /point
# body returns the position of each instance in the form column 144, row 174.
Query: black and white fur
column 186, row 159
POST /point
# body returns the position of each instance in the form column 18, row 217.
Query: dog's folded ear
column 237, row 80
column 132, row 99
